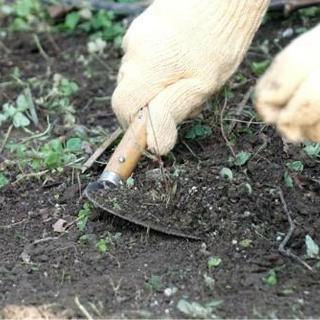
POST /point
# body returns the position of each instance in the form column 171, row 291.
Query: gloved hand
column 177, row 53
column 288, row 95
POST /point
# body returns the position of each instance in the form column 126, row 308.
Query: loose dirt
column 241, row 221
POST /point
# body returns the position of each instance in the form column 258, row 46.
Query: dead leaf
column 60, row 226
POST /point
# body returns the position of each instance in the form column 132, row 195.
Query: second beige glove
column 177, row 54
column 288, row 95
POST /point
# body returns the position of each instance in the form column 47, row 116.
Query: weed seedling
column 103, row 245
column 154, row 283
column 198, row 131
column 226, row 174
column 214, row 262
column 296, row 166
column 271, row 278
column 17, row 113
column 198, row 311
column 83, row 216
column 312, row 247
column 3, row 180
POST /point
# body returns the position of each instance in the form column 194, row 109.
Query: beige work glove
column 177, row 54
column 288, row 95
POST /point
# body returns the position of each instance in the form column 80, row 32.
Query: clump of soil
column 184, row 203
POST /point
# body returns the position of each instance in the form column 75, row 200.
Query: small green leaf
column 74, row 144
column 295, row 166
column 22, row 103
column 246, row 243
column 154, row 283
column 312, row 150
column 20, row 120
column 312, row 247
column 198, row 131
column 72, row 20
column 3, row 118
column 3, row 180
column 242, row 158
column 198, row 311
column 84, row 239
column 214, row 262
column 83, row 216
column 102, row 245
column 52, row 159
column 259, row 68
column 130, row 183
column 271, row 278
column 9, row 110
column 288, row 180
column 226, row 174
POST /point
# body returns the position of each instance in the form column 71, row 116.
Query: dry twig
column 282, row 247
column 104, row 146
column 223, row 131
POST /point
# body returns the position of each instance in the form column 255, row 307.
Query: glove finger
column 290, row 68
column 300, row 120
column 134, row 91
column 276, row 88
column 170, row 107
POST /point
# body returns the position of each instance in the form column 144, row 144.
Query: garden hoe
column 119, row 168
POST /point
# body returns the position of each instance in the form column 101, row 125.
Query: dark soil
column 241, row 221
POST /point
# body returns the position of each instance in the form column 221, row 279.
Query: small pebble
column 169, row 292
column 287, row 33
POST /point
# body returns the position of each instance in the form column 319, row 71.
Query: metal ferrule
column 110, row 177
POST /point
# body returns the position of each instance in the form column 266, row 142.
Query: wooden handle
column 128, row 153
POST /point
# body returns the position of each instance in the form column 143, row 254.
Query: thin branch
column 104, row 146
column 282, row 247
column 223, row 131
column 6, row 138
column 82, row 308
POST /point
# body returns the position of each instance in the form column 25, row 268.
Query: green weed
column 214, row 262
column 17, row 113
column 105, row 244
column 154, row 283
column 101, row 24
column 197, row 310
column 3, row 180
column 83, row 216
column 271, row 278
column 25, row 15
column 198, row 131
